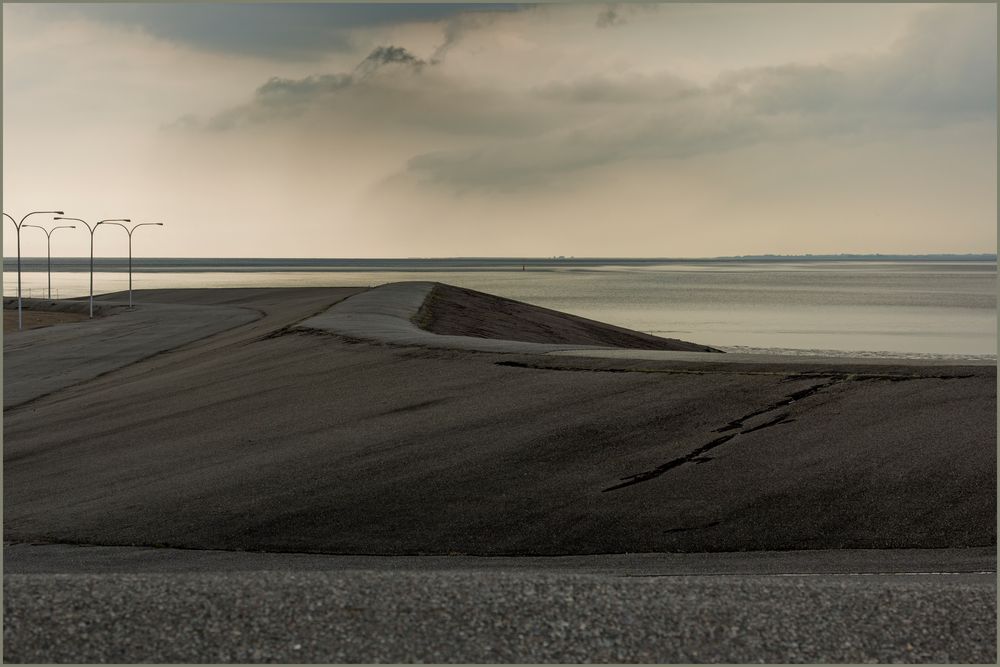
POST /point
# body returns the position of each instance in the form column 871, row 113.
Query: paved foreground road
column 370, row 616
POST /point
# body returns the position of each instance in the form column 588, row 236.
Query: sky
column 478, row 130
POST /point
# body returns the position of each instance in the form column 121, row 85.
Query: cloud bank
column 941, row 72
column 273, row 30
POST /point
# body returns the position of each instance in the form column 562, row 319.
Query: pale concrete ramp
column 40, row 361
column 752, row 358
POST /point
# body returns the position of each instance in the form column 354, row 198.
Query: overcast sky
column 631, row 130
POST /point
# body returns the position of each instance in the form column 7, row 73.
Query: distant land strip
column 210, row 264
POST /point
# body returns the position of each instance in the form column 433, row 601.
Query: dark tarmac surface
column 266, row 438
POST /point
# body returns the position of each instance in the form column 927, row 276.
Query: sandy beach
column 282, row 433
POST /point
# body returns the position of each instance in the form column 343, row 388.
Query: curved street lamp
column 92, row 230
column 48, row 234
column 134, row 227
column 17, row 226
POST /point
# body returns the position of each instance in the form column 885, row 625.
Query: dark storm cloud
column 388, row 55
column 609, row 17
column 943, row 71
column 389, row 87
column 283, row 31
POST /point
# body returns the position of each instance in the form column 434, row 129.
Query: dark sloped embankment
column 457, row 311
column 296, row 440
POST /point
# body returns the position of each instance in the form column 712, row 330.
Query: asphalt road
column 271, row 438
column 45, row 360
column 366, row 616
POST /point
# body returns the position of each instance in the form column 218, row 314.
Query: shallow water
column 884, row 308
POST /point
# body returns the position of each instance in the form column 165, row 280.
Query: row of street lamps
column 91, row 229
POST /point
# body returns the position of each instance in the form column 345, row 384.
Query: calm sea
column 880, row 308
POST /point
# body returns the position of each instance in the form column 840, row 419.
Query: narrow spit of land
column 271, row 436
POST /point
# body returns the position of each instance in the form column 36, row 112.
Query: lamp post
column 92, row 230
column 48, row 234
column 134, row 227
column 17, row 226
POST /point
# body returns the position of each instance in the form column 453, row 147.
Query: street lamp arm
column 48, row 232
column 144, row 224
column 18, row 224
column 117, row 224
column 38, row 212
column 79, row 220
column 37, row 227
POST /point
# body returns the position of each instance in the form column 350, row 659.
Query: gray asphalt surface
column 471, row 617
column 42, row 361
column 272, row 438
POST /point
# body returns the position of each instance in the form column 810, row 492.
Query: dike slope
column 277, row 437
column 456, row 311
column 435, row 315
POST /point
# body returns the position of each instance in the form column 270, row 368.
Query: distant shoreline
column 209, row 264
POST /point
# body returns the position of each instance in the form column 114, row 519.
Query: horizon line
column 532, row 257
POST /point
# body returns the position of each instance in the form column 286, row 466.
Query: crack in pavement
column 696, row 455
column 670, row 465
column 787, row 400
column 688, row 528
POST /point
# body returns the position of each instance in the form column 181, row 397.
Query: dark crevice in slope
column 696, row 455
column 689, row 528
column 670, row 465
column 787, row 400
